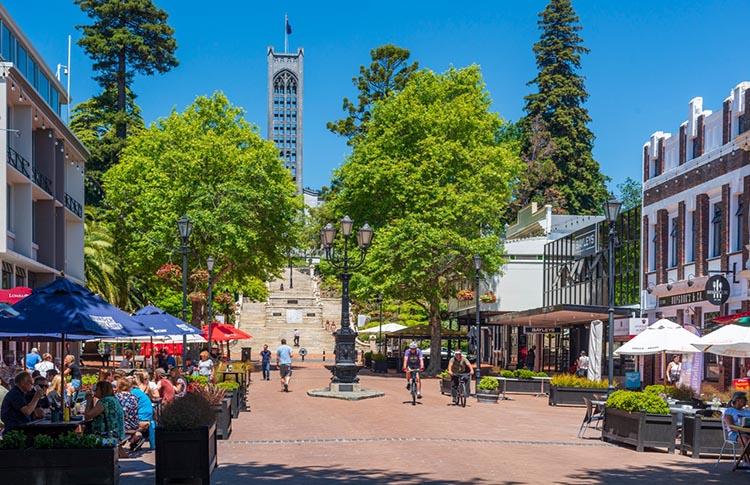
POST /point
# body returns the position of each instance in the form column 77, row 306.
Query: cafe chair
column 591, row 417
column 727, row 441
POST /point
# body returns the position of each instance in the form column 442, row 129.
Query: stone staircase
column 297, row 307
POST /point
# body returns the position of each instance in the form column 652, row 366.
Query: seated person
column 106, row 412
column 164, row 386
column 39, row 383
column 735, row 412
column 54, row 393
column 129, row 405
column 145, row 409
column 16, row 410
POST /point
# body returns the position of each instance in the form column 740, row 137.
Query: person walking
column 265, row 362
column 583, row 365
column 674, row 369
column 531, row 358
column 284, row 361
column 296, row 337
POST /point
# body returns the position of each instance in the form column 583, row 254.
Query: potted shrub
column 570, row 389
column 445, row 382
column 186, row 440
column 489, row 390
column 522, row 381
column 48, row 460
column 640, row 419
column 368, row 359
column 702, row 433
column 222, row 406
column 379, row 363
column 232, row 391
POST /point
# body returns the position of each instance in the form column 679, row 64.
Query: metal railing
column 41, row 180
column 74, row 206
column 18, row 162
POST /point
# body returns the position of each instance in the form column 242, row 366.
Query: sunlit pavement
column 294, row 438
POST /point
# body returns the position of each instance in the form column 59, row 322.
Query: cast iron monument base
column 348, row 392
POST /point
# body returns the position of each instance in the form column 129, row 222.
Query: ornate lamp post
column 379, row 301
column 210, row 298
column 185, row 227
column 345, row 371
column 477, row 346
column 611, row 212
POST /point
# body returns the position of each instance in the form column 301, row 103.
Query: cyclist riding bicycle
column 414, row 361
column 456, row 366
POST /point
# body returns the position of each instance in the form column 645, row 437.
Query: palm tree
column 99, row 260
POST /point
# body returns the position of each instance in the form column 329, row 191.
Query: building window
column 716, row 228
column 7, row 280
column 654, row 246
column 693, row 236
column 20, row 276
column 9, row 208
column 673, row 243
column 738, row 224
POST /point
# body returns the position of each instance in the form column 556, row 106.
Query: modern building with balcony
column 696, row 200
column 41, row 226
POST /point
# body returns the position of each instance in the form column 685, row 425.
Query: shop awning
column 731, row 318
column 558, row 315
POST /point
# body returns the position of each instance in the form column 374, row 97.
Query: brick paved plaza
column 293, row 438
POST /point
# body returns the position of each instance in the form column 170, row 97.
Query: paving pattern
column 294, row 438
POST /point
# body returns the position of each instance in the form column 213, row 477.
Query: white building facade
column 41, row 225
column 696, row 200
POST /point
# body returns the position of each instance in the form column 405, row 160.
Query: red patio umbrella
column 223, row 332
column 14, row 295
column 731, row 318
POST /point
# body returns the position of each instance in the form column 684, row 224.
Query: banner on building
column 692, row 366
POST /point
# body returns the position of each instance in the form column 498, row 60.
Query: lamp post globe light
column 341, row 257
column 209, row 299
column 477, row 347
column 611, row 212
column 185, row 228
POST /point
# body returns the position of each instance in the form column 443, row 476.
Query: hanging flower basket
column 197, row 296
column 488, row 297
column 465, row 295
column 169, row 272
column 199, row 276
column 224, row 299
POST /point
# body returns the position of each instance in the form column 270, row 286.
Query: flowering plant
column 488, row 297
column 465, row 295
column 169, row 272
column 199, row 276
column 197, row 296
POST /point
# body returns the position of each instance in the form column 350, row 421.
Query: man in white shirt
column 582, row 370
column 45, row 365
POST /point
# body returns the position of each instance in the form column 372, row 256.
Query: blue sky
column 647, row 60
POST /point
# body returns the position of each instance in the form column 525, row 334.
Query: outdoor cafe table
column 746, row 450
column 54, row 429
column 542, row 380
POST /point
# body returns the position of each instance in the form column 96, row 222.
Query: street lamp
column 379, row 301
column 611, row 212
column 210, row 297
column 477, row 347
column 185, row 228
column 345, row 371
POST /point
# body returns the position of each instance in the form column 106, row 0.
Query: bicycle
column 413, row 385
column 460, row 392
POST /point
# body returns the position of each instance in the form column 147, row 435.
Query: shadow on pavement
column 676, row 473
column 230, row 474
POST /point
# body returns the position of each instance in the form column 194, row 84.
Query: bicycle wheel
column 414, row 393
column 462, row 399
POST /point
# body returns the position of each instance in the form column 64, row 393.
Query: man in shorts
column 284, row 361
column 414, row 361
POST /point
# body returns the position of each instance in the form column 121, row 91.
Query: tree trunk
column 435, row 339
column 122, row 129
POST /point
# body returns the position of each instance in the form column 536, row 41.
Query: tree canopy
column 431, row 177
column 387, row 74
column 630, row 193
column 210, row 164
column 126, row 37
column 558, row 144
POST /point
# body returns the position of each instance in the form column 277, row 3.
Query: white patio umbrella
column 730, row 340
column 661, row 336
column 387, row 328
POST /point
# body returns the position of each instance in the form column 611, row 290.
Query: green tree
column 387, row 74
column 557, row 142
column 630, row 191
column 430, row 176
column 210, row 164
column 94, row 123
column 126, row 37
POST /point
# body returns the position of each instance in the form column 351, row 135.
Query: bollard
column 324, row 356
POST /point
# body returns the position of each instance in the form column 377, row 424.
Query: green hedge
column 571, row 380
column 488, row 384
column 521, row 374
column 634, row 402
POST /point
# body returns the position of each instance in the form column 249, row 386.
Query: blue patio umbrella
column 162, row 323
column 64, row 309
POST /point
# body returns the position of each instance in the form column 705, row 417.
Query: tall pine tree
column 557, row 142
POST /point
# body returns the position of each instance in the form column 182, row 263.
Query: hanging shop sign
column 541, row 330
column 682, row 298
column 717, row 290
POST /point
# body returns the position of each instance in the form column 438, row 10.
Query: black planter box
column 235, row 400
column 572, row 396
column 525, row 386
column 701, row 436
column 380, row 366
column 186, row 455
column 445, row 386
column 59, row 467
column 640, row 429
column 489, row 397
column 224, row 419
